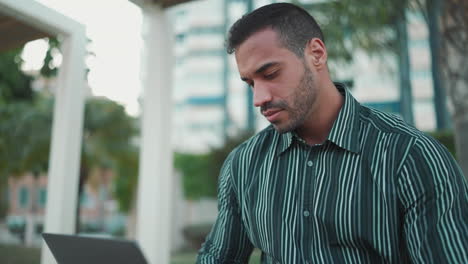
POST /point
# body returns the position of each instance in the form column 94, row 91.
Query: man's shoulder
column 265, row 136
column 258, row 143
column 391, row 124
column 388, row 123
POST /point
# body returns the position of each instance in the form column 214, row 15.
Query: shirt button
column 306, row 213
column 310, row 163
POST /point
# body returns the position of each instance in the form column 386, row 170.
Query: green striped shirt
column 376, row 191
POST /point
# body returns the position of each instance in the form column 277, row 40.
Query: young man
column 330, row 181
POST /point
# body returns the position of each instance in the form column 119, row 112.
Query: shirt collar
column 345, row 130
column 285, row 142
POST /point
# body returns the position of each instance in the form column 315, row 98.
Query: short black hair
column 294, row 25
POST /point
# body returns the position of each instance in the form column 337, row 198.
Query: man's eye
column 270, row 76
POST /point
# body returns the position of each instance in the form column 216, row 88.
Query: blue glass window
column 42, row 197
column 23, row 197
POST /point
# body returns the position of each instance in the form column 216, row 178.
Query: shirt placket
column 308, row 180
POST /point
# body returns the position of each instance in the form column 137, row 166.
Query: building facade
column 27, row 197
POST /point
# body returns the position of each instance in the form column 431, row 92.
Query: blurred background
column 407, row 57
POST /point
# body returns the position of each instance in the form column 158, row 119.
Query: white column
column 155, row 173
column 65, row 148
column 29, row 231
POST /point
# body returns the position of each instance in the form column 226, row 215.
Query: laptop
column 70, row 249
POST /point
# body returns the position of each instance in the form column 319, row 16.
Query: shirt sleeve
column 227, row 241
column 434, row 197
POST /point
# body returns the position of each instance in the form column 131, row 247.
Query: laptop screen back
column 69, row 249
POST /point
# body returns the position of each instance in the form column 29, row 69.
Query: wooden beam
column 163, row 3
column 169, row 3
column 15, row 33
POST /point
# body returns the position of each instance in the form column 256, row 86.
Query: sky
column 114, row 27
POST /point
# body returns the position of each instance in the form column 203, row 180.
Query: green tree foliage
column 197, row 180
column 126, row 182
column 25, row 137
column 107, row 143
column 200, row 171
column 107, row 135
column 350, row 25
column 48, row 68
column 107, row 132
column 16, row 94
column 107, row 139
column 26, row 120
column 15, row 85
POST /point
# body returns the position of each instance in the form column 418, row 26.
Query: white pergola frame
column 155, row 176
column 67, row 126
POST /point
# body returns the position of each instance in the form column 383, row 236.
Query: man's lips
column 272, row 114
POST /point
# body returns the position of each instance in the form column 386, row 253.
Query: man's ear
column 316, row 54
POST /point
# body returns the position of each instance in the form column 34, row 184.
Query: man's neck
column 318, row 126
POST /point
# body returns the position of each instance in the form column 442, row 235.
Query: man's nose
column 261, row 95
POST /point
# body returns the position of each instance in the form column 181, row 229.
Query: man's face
column 283, row 85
